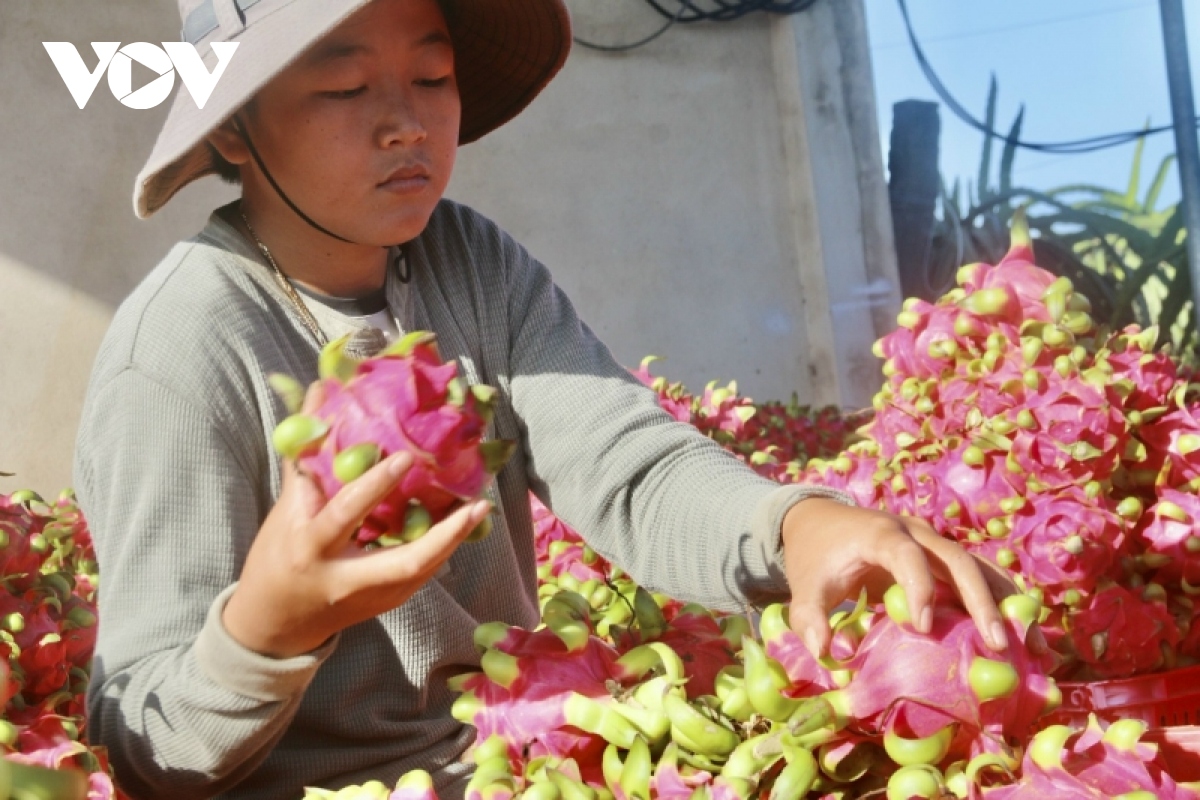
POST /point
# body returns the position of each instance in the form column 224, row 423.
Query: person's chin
column 408, row 222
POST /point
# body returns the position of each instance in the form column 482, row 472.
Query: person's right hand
column 305, row 579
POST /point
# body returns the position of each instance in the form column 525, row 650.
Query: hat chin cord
column 404, row 271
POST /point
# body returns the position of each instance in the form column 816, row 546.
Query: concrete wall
column 685, row 195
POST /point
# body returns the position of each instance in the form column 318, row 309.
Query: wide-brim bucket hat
column 505, row 52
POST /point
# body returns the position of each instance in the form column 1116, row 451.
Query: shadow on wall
column 71, row 248
column 68, row 173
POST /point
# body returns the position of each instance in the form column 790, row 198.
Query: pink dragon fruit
column 854, row 472
column 526, row 704
column 404, row 399
column 415, row 785
column 1015, row 287
column 702, row 645
column 1152, row 375
column 672, row 397
column 798, row 433
column 1118, row 633
column 22, row 543
column 1092, row 764
column 1064, row 543
column 966, row 488
column 947, row 683
column 927, row 342
column 1169, row 532
column 1173, row 445
column 548, row 529
column 1078, row 435
column 560, row 692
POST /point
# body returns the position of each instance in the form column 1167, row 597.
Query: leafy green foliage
column 1120, row 248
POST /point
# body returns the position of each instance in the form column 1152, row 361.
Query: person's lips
column 411, row 178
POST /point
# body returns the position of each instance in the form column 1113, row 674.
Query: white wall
column 671, row 190
column 651, row 184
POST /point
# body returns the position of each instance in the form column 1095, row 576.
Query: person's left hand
column 832, row 551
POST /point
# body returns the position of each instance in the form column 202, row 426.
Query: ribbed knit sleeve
column 679, row 513
column 182, row 708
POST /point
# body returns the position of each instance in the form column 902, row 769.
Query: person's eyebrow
column 435, row 37
column 335, row 51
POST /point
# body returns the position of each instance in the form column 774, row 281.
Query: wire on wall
column 702, row 11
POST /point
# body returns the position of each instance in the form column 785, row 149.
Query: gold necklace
column 306, row 316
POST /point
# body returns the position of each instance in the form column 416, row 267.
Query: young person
column 245, row 649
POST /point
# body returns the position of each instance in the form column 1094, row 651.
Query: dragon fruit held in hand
column 927, row 698
column 402, row 400
column 912, row 686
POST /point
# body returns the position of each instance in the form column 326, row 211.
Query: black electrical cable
column 728, row 10
column 620, row 48
column 1088, row 145
column 703, row 11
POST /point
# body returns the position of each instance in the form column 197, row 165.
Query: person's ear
column 229, row 143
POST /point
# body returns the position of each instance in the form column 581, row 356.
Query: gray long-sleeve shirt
column 175, row 473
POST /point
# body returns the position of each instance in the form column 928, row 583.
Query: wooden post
column 843, row 237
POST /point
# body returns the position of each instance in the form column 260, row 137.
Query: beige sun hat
column 505, row 52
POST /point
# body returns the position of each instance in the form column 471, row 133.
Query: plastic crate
column 1162, row 700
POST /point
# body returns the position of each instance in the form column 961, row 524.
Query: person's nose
column 400, row 123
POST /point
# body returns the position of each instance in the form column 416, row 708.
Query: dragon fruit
column 1151, row 376
column 854, row 472
column 704, row 644
column 1064, row 543
column 1092, row 764
column 946, row 684
column 1173, row 443
column 775, row 439
column 673, row 397
column 403, row 400
column 1119, row 632
column 536, row 673
column 561, row 692
column 1168, row 531
column 548, row 529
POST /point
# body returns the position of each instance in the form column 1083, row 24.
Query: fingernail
column 925, row 621
column 999, row 637
column 399, row 463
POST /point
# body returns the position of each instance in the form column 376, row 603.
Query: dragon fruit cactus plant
column 403, row 400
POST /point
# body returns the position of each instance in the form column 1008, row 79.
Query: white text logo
column 118, row 62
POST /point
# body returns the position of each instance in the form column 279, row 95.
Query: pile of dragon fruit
column 47, row 634
column 1009, row 420
column 1064, row 452
column 622, row 694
